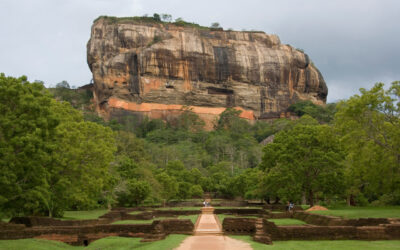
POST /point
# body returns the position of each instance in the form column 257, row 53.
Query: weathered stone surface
column 157, row 69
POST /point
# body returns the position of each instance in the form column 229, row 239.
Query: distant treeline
column 57, row 154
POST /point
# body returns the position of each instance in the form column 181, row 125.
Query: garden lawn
column 84, row 215
column 362, row 212
column 287, row 222
column 137, row 212
column 221, row 217
column 179, row 208
column 193, row 218
column 322, row 245
column 172, row 241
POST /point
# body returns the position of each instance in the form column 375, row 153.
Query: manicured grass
column 193, row 217
column 362, row 212
column 221, row 217
column 84, row 215
column 238, row 207
column 136, row 212
column 34, row 244
column 179, row 208
column 287, row 222
column 171, row 242
column 132, row 222
column 323, row 245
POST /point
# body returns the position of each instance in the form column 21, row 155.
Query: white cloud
column 354, row 43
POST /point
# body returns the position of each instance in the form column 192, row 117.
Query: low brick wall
column 246, row 226
column 158, row 213
column 280, row 207
column 240, row 211
column 184, row 204
column 229, row 203
column 46, row 222
column 324, row 220
column 79, row 234
column 239, row 226
column 175, row 226
column 281, row 215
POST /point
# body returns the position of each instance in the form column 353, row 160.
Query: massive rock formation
column 158, row 69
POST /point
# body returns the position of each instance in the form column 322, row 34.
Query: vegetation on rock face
column 156, row 18
column 56, row 158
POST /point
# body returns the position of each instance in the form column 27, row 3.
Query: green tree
column 27, row 127
column 169, row 186
column 196, row 191
column 370, row 127
column 323, row 114
column 51, row 159
column 303, row 161
column 166, row 18
column 133, row 193
column 215, row 25
column 156, row 17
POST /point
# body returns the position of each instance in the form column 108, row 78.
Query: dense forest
column 56, row 154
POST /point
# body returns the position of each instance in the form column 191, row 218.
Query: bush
column 196, row 191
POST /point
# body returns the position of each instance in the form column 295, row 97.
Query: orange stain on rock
column 153, row 107
column 151, row 84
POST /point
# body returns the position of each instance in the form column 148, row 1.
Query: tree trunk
column 311, row 197
column 303, row 198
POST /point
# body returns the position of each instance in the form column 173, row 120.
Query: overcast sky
column 354, row 43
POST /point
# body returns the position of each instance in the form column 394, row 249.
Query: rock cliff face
column 157, row 69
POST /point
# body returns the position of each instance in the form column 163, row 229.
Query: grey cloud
column 354, row 43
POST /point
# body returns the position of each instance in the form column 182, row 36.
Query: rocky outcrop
column 157, row 69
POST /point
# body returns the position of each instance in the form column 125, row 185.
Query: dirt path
column 208, row 235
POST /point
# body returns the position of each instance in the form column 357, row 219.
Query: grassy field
column 179, row 208
column 171, row 242
column 136, row 212
column 287, row 222
column 193, row 218
column 84, row 215
column 237, row 207
column 323, row 245
column 362, row 212
column 221, row 217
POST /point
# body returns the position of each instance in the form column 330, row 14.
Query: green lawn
column 221, row 217
column 287, row 222
column 171, row 242
column 136, row 212
column 179, row 208
column 362, row 212
column 84, row 215
column 322, row 245
column 193, row 217
column 132, row 222
column 238, row 207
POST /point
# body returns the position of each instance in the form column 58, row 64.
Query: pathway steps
column 208, row 235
